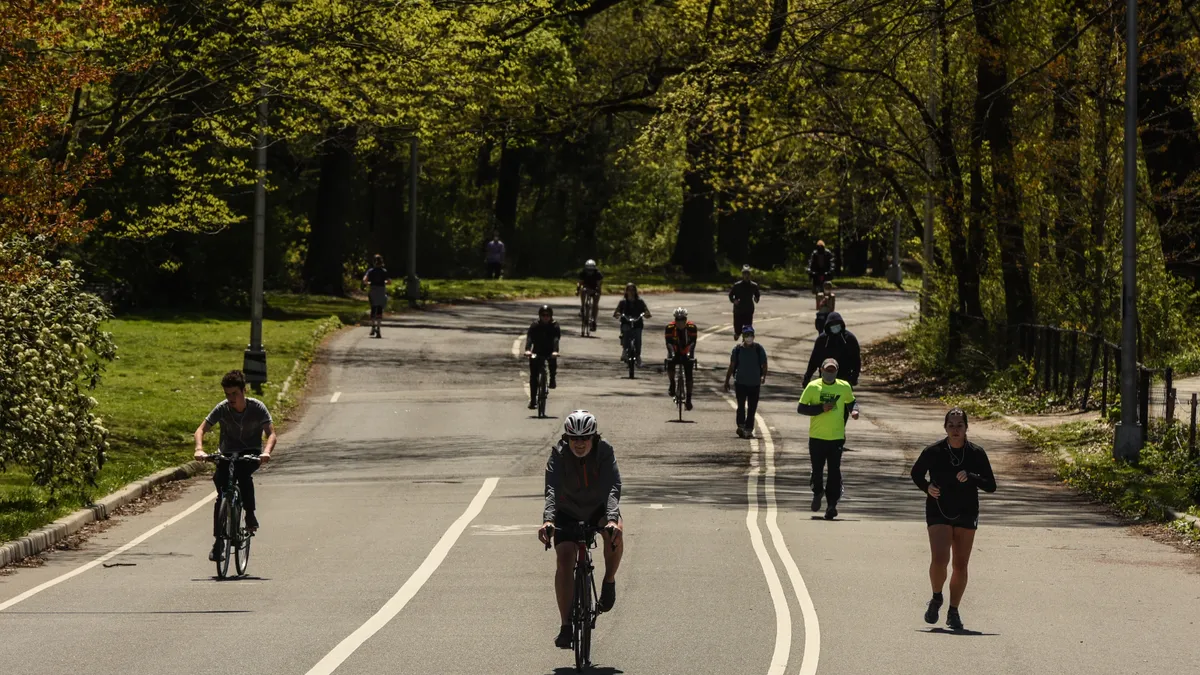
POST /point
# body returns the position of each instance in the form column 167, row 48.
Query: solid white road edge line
column 393, row 606
column 208, row 499
column 812, row 628
column 783, row 614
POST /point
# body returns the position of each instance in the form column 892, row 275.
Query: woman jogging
column 378, row 278
column 957, row 469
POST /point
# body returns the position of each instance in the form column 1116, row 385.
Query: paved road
column 399, row 520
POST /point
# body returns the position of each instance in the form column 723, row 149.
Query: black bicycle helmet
column 546, row 309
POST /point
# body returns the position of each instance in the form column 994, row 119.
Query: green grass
column 165, row 380
column 1163, row 476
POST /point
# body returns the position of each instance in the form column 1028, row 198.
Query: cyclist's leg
column 564, row 579
column 671, row 376
column 553, row 370
column 220, row 476
column 535, row 368
column 637, row 342
column 245, row 478
column 612, row 556
column 687, row 376
column 596, row 305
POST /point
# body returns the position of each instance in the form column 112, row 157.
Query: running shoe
column 816, row 502
column 953, row 620
column 931, row 611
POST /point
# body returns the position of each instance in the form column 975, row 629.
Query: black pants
column 494, row 269
column 242, row 472
column 535, row 370
column 741, row 319
column 747, row 399
column 822, row 452
column 687, row 372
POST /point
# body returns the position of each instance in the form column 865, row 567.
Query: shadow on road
column 596, row 670
column 962, row 633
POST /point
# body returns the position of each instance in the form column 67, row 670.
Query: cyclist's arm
column 614, row 491
column 551, row 507
column 557, row 337
column 271, row 438
column 204, row 428
column 529, row 339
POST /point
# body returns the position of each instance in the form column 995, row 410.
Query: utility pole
column 1129, row 438
column 413, row 290
column 254, row 361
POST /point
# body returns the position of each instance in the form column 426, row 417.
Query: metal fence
column 1072, row 366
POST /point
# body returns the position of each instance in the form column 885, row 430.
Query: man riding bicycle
column 243, row 421
column 681, row 337
column 633, row 306
column 589, row 283
column 542, row 340
column 583, row 484
column 820, row 267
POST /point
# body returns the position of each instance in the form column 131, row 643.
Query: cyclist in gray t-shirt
column 243, row 421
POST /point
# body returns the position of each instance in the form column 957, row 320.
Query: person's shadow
column 596, row 670
column 964, row 632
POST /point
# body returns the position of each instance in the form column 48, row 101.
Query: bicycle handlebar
column 588, row 531
column 217, row 456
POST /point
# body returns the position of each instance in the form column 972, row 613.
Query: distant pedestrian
column 748, row 364
column 744, row 295
column 830, row 402
column 951, row 473
column 826, row 303
column 839, row 344
column 377, row 277
column 495, row 256
column 820, row 267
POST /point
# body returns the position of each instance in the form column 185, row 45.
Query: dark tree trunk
column 1100, row 185
column 1168, row 133
column 967, row 260
column 994, row 112
column 1066, row 175
column 323, row 266
column 386, row 185
column 508, row 187
column 694, row 244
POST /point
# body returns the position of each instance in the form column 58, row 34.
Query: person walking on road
column 830, row 402
column 243, row 421
column 541, row 343
column 826, row 303
column 583, row 484
column 951, row 473
column 820, row 266
column 838, row 344
column 494, row 256
column 744, row 295
column 748, row 364
column 377, row 278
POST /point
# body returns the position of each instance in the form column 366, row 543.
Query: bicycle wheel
column 583, row 620
column 587, row 313
column 223, row 517
column 543, row 393
column 241, row 549
column 631, row 356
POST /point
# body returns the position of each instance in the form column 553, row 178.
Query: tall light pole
column 413, row 290
column 254, row 362
column 1129, row 439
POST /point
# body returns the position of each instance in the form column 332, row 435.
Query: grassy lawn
column 166, row 379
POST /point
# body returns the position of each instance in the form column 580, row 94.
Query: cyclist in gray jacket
column 583, row 484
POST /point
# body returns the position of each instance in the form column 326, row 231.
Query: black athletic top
column 943, row 463
column 378, row 276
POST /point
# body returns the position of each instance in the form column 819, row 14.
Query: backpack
column 759, row 351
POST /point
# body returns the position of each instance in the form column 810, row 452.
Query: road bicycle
column 589, row 302
column 543, row 386
column 680, row 398
column 234, row 535
column 584, row 605
column 631, row 341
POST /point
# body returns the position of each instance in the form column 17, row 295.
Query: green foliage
column 52, row 351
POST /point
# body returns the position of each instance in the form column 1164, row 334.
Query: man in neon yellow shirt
column 830, row 402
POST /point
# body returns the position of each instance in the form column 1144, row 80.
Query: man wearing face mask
column 748, row 363
column 829, row 401
column 839, row 344
column 583, row 484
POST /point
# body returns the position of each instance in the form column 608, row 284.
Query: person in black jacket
column 951, row 473
column 743, row 295
column 541, row 341
column 820, row 266
column 836, row 343
column 583, row 484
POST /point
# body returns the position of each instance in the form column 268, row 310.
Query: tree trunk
column 1066, row 175
column 1168, row 133
column 967, row 260
column 323, row 266
column 508, row 187
column 694, row 244
column 1100, row 182
column 994, row 111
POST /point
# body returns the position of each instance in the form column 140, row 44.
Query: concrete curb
column 1175, row 515
column 47, row 537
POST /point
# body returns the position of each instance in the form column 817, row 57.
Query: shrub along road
column 373, row 560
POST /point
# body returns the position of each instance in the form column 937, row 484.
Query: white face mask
column 835, row 328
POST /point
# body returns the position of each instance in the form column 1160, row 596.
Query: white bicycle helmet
column 580, row 423
column 590, row 264
column 680, row 313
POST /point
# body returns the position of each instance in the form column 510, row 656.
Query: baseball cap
column 829, row 362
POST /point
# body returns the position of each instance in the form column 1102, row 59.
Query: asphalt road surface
column 399, row 520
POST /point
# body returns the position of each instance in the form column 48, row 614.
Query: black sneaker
column 217, row 554
column 251, row 522
column 931, row 611
column 687, row 405
column 749, row 432
column 816, row 502
column 563, row 641
column 608, row 596
column 953, row 620
column 741, row 432
column 831, row 512
column 553, row 383
column 533, row 404
column 671, row 389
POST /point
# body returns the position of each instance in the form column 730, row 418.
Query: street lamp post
column 254, row 362
column 1128, row 442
